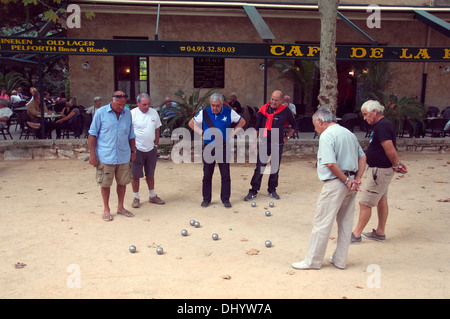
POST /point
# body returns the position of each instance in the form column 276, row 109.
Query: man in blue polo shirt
column 112, row 148
column 214, row 124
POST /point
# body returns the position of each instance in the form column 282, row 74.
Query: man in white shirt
column 5, row 112
column 146, row 123
column 287, row 102
column 97, row 104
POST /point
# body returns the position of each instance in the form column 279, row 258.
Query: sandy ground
column 51, row 224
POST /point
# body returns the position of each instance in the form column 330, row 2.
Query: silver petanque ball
column 197, row 224
column 159, row 251
column 268, row 243
column 253, row 204
column 132, row 249
column 192, row 222
column 271, row 204
column 215, row 236
column 184, row 232
column 268, row 213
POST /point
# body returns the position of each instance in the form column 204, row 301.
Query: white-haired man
column 382, row 159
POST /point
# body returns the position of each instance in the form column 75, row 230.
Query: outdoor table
column 51, row 117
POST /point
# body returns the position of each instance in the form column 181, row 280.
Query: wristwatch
column 133, row 151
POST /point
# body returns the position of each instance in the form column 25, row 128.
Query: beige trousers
column 335, row 201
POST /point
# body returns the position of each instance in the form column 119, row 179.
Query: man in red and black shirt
column 271, row 120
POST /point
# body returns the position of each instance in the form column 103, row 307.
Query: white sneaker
column 302, row 266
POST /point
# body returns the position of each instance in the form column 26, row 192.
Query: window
column 131, row 75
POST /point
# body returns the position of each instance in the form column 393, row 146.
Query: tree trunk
column 328, row 75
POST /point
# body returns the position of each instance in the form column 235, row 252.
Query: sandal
column 126, row 213
column 107, row 217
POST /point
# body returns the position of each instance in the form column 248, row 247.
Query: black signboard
column 109, row 47
column 209, row 72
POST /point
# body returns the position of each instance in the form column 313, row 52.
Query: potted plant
column 184, row 109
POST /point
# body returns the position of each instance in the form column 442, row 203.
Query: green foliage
column 305, row 74
column 21, row 12
column 400, row 110
column 375, row 76
column 187, row 107
column 12, row 80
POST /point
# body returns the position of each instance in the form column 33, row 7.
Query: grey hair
column 4, row 102
column 142, row 96
column 97, row 98
column 216, row 97
column 371, row 105
column 325, row 115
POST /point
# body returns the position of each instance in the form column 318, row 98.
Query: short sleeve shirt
column 113, row 135
column 221, row 121
column 144, row 125
column 337, row 145
column 382, row 131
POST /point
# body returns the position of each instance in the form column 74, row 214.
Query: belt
column 346, row 173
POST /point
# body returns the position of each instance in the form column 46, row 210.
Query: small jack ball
column 268, row 213
column 159, row 251
column 271, row 204
column 197, row 224
column 184, row 232
column 253, row 204
column 215, row 236
column 192, row 222
column 268, row 243
column 132, row 249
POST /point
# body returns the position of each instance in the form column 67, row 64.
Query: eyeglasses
column 121, row 96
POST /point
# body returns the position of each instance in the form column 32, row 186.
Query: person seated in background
column 5, row 112
column 61, row 97
column 14, row 97
column 34, row 113
column 47, row 99
column 291, row 106
column 3, row 94
column 234, row 103
column 68, row 115
column 97, row 104
column 34, row 108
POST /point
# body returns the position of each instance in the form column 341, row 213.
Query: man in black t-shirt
column 272, row 118
column 382, row 158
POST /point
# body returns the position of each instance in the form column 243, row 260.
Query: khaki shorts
column 376, row 185
column 105, row 174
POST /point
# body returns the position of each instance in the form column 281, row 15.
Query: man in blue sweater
column 214, row 124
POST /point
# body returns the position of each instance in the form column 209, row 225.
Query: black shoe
column 250, row 196
column 274, row 195
column 227, row 204
column 205, row 203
